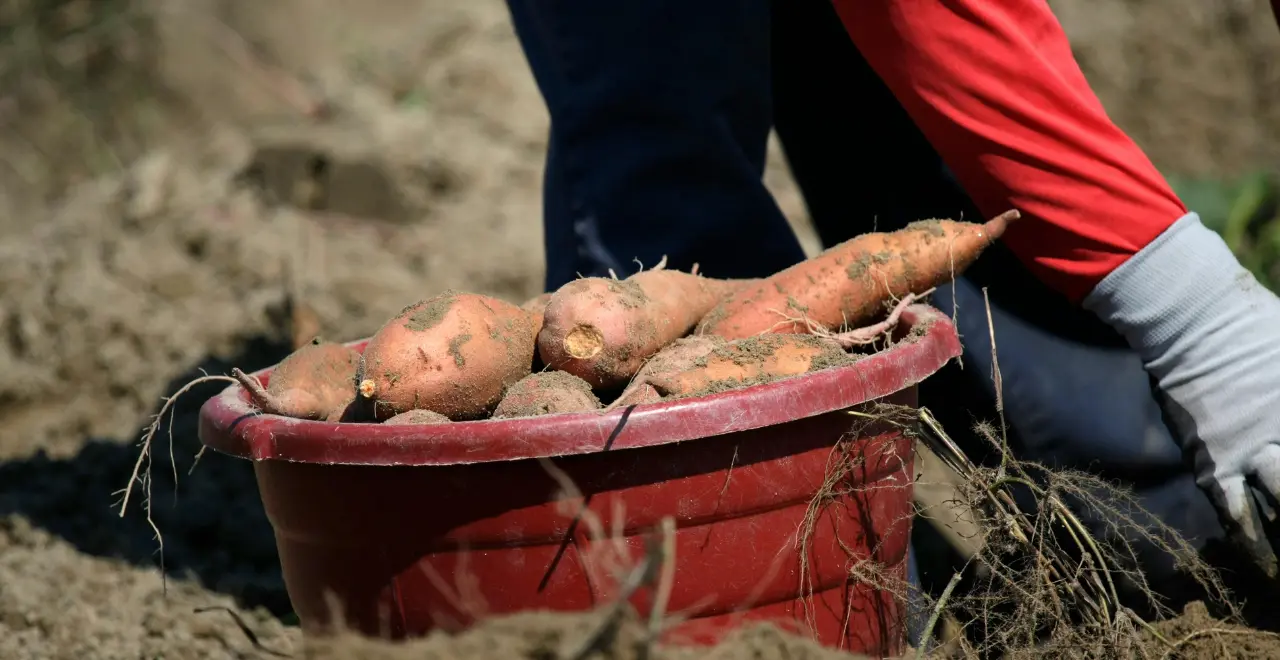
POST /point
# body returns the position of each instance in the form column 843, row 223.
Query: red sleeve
column 993, row 85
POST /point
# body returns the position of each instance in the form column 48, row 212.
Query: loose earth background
column 163, row 195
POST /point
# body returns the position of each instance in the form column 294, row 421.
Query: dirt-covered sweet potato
column 850, row 283
column 602, row 329
column 547, row 393
column 709, row 367
column 312, row 383
column 454, row 354
column 536, row 306
column 681, row 355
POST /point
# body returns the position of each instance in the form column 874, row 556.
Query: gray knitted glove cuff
column 1200, row 321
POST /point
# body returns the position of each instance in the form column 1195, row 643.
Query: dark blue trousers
column 660, row 113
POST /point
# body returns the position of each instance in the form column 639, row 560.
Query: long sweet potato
column 602, row 330
column 851, row 282
column 312, row 383
column 454, row 354
column 750, row 361
column 546, row 393
column 681, row 355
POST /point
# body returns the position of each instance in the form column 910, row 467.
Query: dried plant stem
column 938, row 609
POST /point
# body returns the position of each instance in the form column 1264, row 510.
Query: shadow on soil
column 214, row 527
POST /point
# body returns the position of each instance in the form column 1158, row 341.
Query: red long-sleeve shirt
column 994, row 86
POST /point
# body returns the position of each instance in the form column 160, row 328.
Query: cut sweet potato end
column 584, row 342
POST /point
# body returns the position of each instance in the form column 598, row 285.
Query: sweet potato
column 602, row 330
column 312, row 383
column 454, row 354
column 547, row 393
column 417, row 417
column 750, row 361
column 851, row 282
column 681, row 355
column 536, row 306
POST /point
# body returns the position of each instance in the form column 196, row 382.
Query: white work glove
column 1209, row 334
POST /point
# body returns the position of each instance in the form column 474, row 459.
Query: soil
column 429, row 314
column 547, row 636
column 239, row 174
column 1198, row 636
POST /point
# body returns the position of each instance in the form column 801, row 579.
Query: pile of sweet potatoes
column 597, row 343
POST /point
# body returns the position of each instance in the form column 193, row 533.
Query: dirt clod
column 556, row 636
column 1198, row 636
column 455, row 349
column 429, row 314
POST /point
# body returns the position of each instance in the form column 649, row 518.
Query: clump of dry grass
column 1046, row 585
column 1050, row 587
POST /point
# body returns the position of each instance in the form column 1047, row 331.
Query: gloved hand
column 1209, row 334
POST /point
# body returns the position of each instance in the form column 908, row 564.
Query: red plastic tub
column 411, row 528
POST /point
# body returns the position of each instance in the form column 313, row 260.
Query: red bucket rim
column 229, row 424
